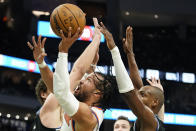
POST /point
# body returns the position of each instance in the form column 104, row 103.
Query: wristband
column 42, row 65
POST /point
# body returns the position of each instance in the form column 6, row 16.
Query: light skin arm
column 84, row 118
column 133, row 68
column 82, row 64
column 157, row 83
column 131, row 98
column 39, row 54
column 50, row 109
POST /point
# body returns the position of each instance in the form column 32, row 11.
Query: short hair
column 124, row 118
column 158, row 94
column 40, row 87
column 109, row 88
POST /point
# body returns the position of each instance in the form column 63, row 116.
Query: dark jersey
column 160, row 125
column 37, row 125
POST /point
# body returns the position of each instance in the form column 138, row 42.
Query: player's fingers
column 149, row 81
column 69, row 32
column 95, row 21
column 130, row 32
column 62, row 34
column 154, row 80
column 123, row 41
column 43, row 54
column 103, row 26
column 30, row 46
column 39, row 40
column 43, row 42
column 127, row 32
column 77, row 34
column 159, row 82
column 34, row 42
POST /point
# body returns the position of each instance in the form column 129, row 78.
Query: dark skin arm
column 144, row 114
column 133, row 68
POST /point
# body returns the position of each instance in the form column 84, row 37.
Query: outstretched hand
column 38, row 49
column 108, row 36
column 154, row 82
column 68, row 41
column 128, row 41
column 96, row 30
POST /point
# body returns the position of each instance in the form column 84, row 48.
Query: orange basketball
column 65, row 16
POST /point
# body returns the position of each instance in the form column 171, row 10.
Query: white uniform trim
column 99, row 113
column 61, row 86
column 123, row 80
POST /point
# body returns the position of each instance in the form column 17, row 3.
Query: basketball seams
column 61, row 20
column 72, row 14
column 52, row 24
column 65, row 16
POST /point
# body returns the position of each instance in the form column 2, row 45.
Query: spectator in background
column 122, row 124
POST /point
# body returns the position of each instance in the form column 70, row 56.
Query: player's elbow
column 79, row 69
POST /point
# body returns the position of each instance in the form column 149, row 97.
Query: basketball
column 65, row 16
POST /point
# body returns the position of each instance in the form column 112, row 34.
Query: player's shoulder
column 51, row 104
column 98, row 112
column 97, row 109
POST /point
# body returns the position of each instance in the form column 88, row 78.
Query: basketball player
column 41, row 91
column 122, row 124
column 133, row 68
column 146, row 102
column 94, row 90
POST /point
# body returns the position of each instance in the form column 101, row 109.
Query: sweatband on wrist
column 42, row 65
column 61, row 86
column 123, row 80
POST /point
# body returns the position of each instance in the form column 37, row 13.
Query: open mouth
column 77, row 89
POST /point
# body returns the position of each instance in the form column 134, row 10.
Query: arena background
column 164, row 45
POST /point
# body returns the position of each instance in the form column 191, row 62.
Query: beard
column 82, row 97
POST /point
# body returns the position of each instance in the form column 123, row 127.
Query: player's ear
column 155, row 103
column 43, row 95
column 97, row 94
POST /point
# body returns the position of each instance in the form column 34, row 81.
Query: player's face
column 44, row 95
column 145, row 95
column 122, row 125
column 87, row 87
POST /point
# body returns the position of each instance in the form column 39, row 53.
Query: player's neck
column 91, row 102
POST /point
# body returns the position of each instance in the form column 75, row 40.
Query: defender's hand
column 38, row 49
column 154, row 82
column 128, row 41
column 108, row 36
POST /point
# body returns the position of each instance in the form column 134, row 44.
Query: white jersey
column 71, row 126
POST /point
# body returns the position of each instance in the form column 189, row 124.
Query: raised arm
column 125, row 85
column 82, row 64
column 39, row 54
column 78, row 111
column 133, row 68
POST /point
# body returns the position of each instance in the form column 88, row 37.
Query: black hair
column 109, row 89
column 124, row 118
